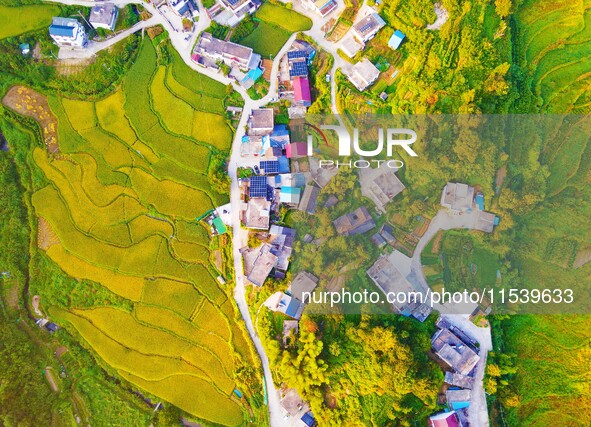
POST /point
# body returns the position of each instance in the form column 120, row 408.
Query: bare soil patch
column 67, row 67
column 46, row 237
column 582, row 258
column 31, row 103
column 35, row 303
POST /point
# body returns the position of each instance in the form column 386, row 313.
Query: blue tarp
column 237, row 392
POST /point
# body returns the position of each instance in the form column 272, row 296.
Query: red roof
column 445, row 419
column 301, row 88
column 296, row 149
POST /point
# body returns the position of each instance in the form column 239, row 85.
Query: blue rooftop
column 308, row 419
column 60, row 30
column 283, row 164
column 396, row 39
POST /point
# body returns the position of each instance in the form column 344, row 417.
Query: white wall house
column 68, row 32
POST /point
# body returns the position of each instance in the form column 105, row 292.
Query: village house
column 363, row 74
column 257, row 213
column 281, row 241
column 457, row 197
column 104, row 16
column 321, row 7
column 296, row 150
column 262, row 266
column 456, row 353
column 445, row 419
column 461, row 199
column 68, row 32
column 301, row 90
column 389, row 279
column 396, row 39
column 459, row 380
column 303, row 283
column 357, row 222
column 230, row 12
column 458, row 398
column 362, row 31
column 309, row 199
column 283, row 303
column 366, row 29
column 209, row 50
column 261, row 122
column 380, row 185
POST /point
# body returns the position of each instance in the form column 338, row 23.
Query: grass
column 279, row 15
column 22, row 19
column 266, row 40
column 552, row 376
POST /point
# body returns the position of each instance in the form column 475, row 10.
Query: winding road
column 478, row 411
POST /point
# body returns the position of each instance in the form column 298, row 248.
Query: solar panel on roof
column 233, row 2
column 366, row 27
column 298, row 69
column 258, row 186
column 269, row 166
column 296, row 54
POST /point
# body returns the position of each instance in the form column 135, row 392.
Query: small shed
column 396, row 39
column 25, row 48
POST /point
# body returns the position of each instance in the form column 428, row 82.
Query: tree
column 503, row 8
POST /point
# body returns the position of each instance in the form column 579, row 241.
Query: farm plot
column 554, row 37
column 283, row 17
column 267, row 39
column 22, row 19
column 122, row 196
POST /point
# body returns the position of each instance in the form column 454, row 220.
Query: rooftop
column 458, row 399
column 396, row 39
column 64, row 27
column 363, row 74
column 368, row 26
column 212, row 46
column 309, row 199
column 453, row 351
column 296, row 150
column 301, row 89
column 381, row 185
column 444, row 419
column 356, row 222
column 303, row 282
column 262, row 119
column 291, row 402
column 262, row 266
column 257, row 213
column 104, row 13
column 457, row 196
column 459, row 380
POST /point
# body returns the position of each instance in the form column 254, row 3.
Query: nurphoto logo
column 349, row 144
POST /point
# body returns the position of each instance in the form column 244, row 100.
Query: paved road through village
column 478, row 410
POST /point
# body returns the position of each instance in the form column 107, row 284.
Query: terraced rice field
column 555, row 39
column 121, row 201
